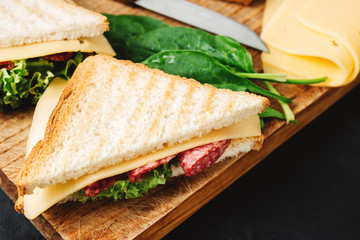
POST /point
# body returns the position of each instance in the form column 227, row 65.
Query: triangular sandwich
column 118, row 121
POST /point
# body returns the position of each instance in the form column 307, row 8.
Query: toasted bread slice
column 32, row 21
column 112, row 111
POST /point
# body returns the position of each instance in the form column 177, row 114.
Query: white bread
column 31, row 21
column 113, row 110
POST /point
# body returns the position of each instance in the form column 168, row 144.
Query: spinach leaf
column 270, row 112
column 224, row 49
column 123, row 27
column 289, row 115
column 205, row 69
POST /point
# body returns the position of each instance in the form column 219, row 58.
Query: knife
column 201, row 17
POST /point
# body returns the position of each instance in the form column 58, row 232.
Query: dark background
column 309, row 188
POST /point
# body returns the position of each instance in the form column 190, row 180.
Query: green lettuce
column 26, row 82
column 124, row 189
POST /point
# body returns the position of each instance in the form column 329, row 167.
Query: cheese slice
column 98, row 44
column 340, row 20
column 44, row 198
column 271, row 7
column 43, row 110
column 305, row 67
column 304, row 41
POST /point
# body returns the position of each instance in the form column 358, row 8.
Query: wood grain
column 164, row 208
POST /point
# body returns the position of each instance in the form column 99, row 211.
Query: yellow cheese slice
column 98, row 44
column 307, row 52
column 43, row 110
column 271, row 7
column 44, row 198
column 304, row 66
column 338, row 19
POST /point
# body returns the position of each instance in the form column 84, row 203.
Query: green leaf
column 289, row 115
column 281, row 78
column 270, row 112
column 39, row 65
column 124, row 189
column 13, row 87
column 66, row 69
column 306, row 81
column 205, row 69
column 26, row 82
column 41, row 82
column 122, row 27
column 224, row 49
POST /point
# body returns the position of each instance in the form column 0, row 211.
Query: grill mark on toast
column 148, row 88
column 36, row 11
column 227, row 106
column 112, row 71
column 184, row 110
column 208, row 102
column 136, row 111
column 165, row 102
column 145, row 98
column 131, row 84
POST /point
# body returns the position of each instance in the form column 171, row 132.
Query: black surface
column 309, row 188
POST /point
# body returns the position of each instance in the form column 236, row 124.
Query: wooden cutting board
column 154, row 215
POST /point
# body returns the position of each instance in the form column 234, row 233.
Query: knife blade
column 206, row 19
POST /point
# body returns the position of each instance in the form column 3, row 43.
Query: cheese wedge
column 44, row 198
column 98, row 44
column 305, row 42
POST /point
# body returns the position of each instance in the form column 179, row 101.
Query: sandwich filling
column 192, row 162
column 26, row 71
column 131, row 178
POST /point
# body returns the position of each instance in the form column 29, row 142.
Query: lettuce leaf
column 124, row 189
column 26, row 82
column 66, row 69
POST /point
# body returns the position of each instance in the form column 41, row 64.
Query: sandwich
column 41, row 40
column 120, row 128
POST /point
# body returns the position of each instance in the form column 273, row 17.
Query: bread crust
column 259, row 140
column 34, row 163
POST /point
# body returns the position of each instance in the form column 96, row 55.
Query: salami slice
column 8, row 65
column 196, row 160
column 101, row 185
column 59, row 57
column 138, row 173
